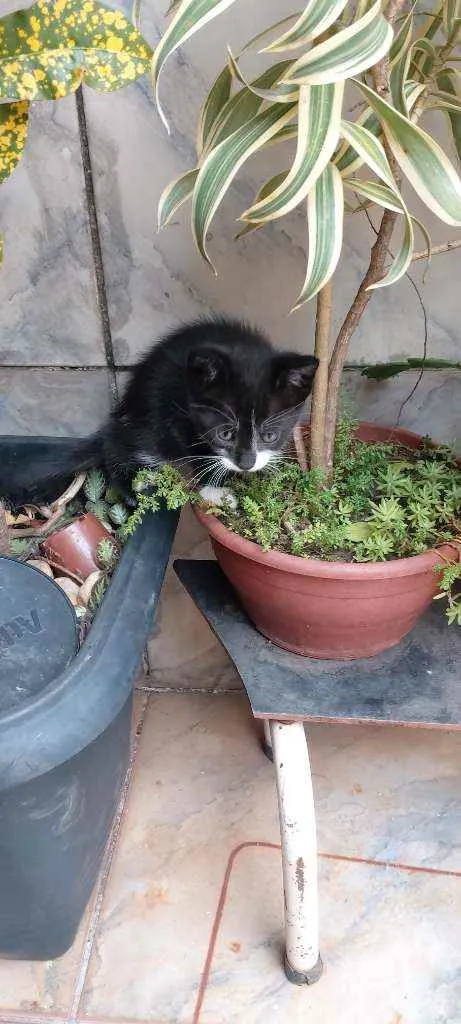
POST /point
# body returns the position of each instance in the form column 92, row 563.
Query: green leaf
column 402, row 40
column 445, row 82
column 48, row 49
column 389, row 197
column 240, row 108
column 266, row 34
column 174, row 195
column 451, row 13
column 357, row 532
column 13, row 133
column 376, row 192
column 265, row 190
column 282, row 94
column 319, row 117
column 369, row 148
column 383, row 371
column 316, row 18
column 421, row 159
column 350, row 51
column 447, row 100
column 325, row 215
column 222, row 164
column 188, row 18
column 214, row 103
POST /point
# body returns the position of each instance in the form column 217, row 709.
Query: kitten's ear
column 206, row 368
column 293, row 377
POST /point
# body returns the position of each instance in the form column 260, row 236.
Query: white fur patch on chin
column 262, row 459
column 219, row 496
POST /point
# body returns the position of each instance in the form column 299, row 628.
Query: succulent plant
column 99, row 508
column 107, row 553
column 94, row 485
column 118, row 514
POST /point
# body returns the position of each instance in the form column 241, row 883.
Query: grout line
column 262, row 844
column 18, row 1017
column 190, row 689
column 96, row 243
column 104, row 875
column 77, row 367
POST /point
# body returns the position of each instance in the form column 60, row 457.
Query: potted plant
column 70, row 734
column 363, row 592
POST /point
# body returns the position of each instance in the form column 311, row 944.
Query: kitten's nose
column 247, row 461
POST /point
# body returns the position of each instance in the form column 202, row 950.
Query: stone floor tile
column 390, row 942
column 202, row 787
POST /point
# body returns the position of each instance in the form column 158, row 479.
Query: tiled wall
column 55, row 337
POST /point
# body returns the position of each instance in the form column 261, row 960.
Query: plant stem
column 436, row 249
column 353, row 316
column 320, row 389
column 381, row 82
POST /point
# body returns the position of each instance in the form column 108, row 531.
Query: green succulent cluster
column 383, row 502
column 153, row 487
column 103, row 501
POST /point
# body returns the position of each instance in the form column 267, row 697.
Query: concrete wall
column 59, row 354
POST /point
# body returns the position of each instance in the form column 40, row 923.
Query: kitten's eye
column 269, row 436
column 225, row 433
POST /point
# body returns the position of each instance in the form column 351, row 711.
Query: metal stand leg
column 303, row 964
column 267, row 741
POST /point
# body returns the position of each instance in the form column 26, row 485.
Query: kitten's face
column 245, row 416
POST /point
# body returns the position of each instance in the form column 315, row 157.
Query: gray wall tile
column 48, row 304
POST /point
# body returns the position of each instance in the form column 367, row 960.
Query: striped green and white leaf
column 389, row 198
column 283, row 93
column 350, row 51
column 259, row 41
column 449, row 81
column 13, row 133
column 325, row 215
column 222, row 164
column 174, row 195
column 217, row 98
column 319, row 117
column 316, row 18
column 188, row 18
column 369, row 148
column 402, row 40
column 265, row 190
column 240, row 108
column 48, row 49
column 451, row 14
column 346, row 159
column 421, row 159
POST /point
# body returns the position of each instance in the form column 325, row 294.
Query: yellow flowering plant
column 49, row 49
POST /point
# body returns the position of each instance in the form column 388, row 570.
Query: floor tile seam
column 109, row 855
column 263, row 844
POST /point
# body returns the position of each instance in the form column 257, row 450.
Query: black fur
column 214, row 390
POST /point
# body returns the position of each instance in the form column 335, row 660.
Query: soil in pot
column 331, row 609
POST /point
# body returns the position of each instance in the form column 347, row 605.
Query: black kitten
column 213, row 397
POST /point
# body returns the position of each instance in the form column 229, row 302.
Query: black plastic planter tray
column 64, row 751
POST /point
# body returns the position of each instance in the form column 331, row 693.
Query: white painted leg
column 303, row 965
column 267, row 741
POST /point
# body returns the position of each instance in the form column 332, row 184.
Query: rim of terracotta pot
column 410, row 566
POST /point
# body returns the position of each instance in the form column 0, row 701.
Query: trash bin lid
column 38, row 632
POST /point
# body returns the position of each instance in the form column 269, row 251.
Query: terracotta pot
column 74, row 548
column 320, row 609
